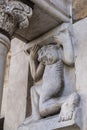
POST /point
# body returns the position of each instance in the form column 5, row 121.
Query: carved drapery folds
column 14, row 15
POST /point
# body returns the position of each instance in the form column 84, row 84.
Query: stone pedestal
column 52, row 123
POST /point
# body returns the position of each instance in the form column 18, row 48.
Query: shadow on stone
column 1, row 123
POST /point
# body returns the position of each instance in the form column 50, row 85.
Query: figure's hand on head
column 34, row 52
column 56, row 39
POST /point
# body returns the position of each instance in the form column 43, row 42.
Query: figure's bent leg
column 48, row 103
column 35, row 105
column 68, row 107
column 34, row 101
column 50, row 106
column 66, row 104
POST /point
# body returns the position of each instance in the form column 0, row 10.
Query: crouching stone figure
column 47, row 71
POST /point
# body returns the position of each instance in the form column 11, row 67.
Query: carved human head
column 48, row 54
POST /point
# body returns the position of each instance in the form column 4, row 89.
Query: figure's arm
column 37, row 70
column 64, row 39
column 68, row 51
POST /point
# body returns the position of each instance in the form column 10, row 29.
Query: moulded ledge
column 52, row 123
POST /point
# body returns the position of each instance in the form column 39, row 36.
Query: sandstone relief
column 46, row 64
column 48, row 59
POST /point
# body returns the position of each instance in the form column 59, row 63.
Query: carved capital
column 14, row 15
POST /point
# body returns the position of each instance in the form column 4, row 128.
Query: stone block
column 51, row 123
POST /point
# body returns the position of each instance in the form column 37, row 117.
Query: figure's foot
column 31, row 119
column 68, row 108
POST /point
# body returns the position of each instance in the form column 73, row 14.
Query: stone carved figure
column 45, row 94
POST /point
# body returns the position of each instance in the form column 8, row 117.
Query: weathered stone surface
column 17, row 88
column 50, row 70
column 42, row 21
column 5, row 87
column 13, row 15
column 79, row 9
column 80, row 31
column 4, row 45
column 52, row 123
column 61, row 34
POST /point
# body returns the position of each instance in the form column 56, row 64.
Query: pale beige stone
column 13, row 15
column 5, row 86
column 79, row 9
column 17, row 87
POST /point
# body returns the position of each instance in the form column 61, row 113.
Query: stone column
column 4, row 47
column 13, row 15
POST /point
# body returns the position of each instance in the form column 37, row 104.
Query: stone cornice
column 58, row 12
column 14, row 15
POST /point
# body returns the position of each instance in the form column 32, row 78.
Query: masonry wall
column 17, row 87
column 80, row 31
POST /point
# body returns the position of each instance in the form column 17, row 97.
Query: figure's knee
column 47, row 109
column 36, row 89
column 42, row 109
column 44, row 98
column 42, row 105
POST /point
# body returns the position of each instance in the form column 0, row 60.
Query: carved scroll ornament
column 14, row 15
